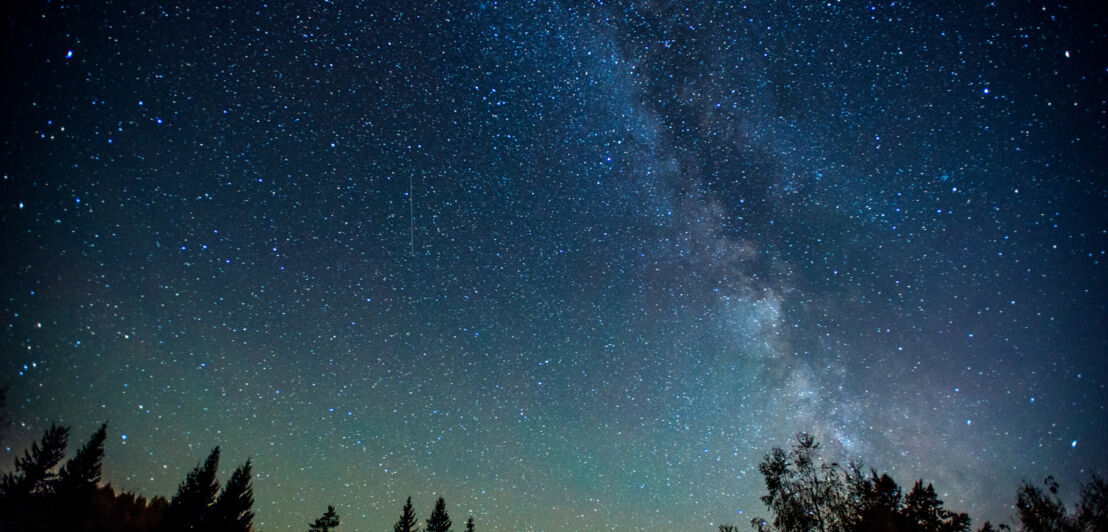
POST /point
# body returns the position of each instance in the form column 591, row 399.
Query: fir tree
column 407, row 521
column 232, row 510
column 326, row 522
column 439, row 520
column 189, row 508
column 469, row 525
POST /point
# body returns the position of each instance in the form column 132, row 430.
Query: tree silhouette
column 876, row 503
column 1040, row 512
column 407, row 521
column 924, row 512
column 39, row 496
column 197, row 493
column 77, row 482
column 27, row 493
column 326, row 522
column 1092, row 511
column 34, row 471
column 81, row 474
column 805, row 493
column 232, row 510
column 439, row 520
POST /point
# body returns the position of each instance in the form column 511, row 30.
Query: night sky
column 572, row 266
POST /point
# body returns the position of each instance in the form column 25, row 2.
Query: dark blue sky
column 571, row 266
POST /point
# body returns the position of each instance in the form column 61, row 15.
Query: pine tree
column 232, row 510
column 325, row 523
column 189, row 508
column 469, row 525
column 81, row 474
column 34, row 472
column 76, row 484
column 407, row 521
column 439, row 520
column 26, row 493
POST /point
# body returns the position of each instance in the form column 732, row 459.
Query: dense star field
column 571, row 266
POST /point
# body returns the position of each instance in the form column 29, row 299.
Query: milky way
column 570, row 266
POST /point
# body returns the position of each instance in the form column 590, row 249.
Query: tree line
column 44, row 494
column 808, row 494
column 804, row 493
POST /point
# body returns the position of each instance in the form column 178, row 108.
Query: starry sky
column 572, row 266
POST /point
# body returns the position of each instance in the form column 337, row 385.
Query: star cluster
column 572, row 266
